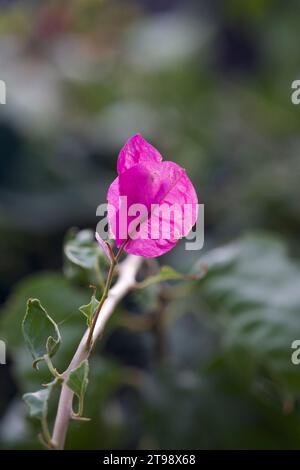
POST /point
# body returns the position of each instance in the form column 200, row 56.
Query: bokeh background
column 202, row 365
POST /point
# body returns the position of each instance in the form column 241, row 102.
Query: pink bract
column 103, row 245
column 145, row 179
column 136, row 150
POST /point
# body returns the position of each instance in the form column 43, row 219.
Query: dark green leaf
column 40, row 331
column 78, row 382
column 62, row 299
column 89, row 309
column 255, row 289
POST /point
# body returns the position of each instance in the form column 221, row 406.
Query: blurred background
column 204, row 365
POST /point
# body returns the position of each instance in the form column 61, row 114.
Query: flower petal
column 113, row 200
column 136, row 150
column 165, row 185
column 149, row 183
column 149, row 248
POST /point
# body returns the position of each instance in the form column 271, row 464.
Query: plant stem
column 46, row 437
column 126, row 281
column 99, row 276
column 107, row 286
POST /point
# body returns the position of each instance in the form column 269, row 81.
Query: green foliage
column 40, row 332
column 84, row 261
column 89, row 309
column 166, row 273
column 78, row 382
column 82, row 250
column 227, row 338
column 59, row 297
column 255, row 289
column 208, row 408
column 107, row 426
column 37, row 403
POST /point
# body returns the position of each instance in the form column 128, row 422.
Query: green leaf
column 82, row 249
column 166, row 273
column 78, row 382
column 89, row 309
column 40, row 332
column 255, row 289
column 37, row 403
column 62, row 299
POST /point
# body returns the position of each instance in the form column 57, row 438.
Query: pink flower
column 157, row 185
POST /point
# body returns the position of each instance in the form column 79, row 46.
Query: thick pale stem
column 126, row 280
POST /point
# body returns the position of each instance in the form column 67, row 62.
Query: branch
column 127, row 273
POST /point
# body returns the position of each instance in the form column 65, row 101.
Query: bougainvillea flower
column 160, row 190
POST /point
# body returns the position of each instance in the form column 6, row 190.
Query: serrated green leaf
column 89, row 309
column 37, row 403
column 41, row 333
column 78, row 382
